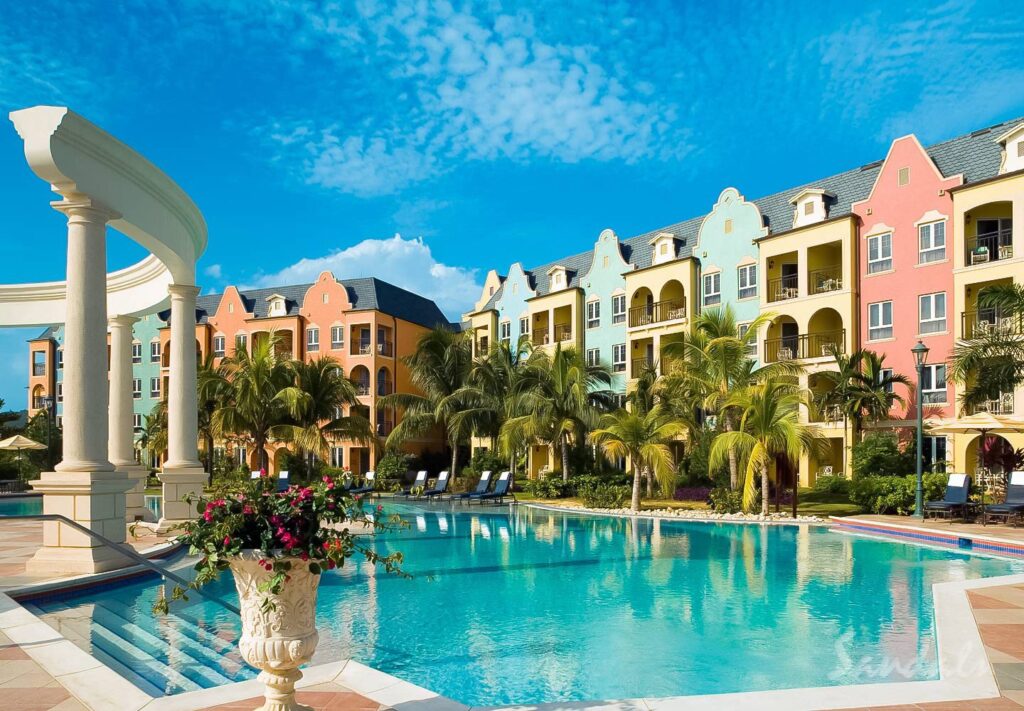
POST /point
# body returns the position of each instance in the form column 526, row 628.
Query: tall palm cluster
column 991, row 361
column 262, row 395
column 707, row 386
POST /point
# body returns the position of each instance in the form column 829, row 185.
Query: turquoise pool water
column 21, row 505
column 531, row 606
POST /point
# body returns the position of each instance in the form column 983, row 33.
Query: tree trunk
column 209, row 458
column 455, row 458
column 565, row 458
column 764, row 489
column 796, row 487
column 650, row 482
column 734, row 476
column 634, row 504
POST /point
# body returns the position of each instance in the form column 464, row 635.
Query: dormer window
column 557, row 278
column 276, row 305
column 664, row 245
column 1013, row 149
column 810, row 206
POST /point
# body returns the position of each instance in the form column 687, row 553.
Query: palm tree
column 644, row 439
column 990, row 363
column 715, row 361
column 153, row 438
column 262, row 400
column 438, row 368
column 768, row 426
column 560, row 398
column 486, row 401
column 322, row 420
column 211, row 390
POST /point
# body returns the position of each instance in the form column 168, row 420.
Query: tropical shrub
column 726, row 500
column 894, row 494
column 549, row 486
column 879, row 454
column 391, row 470
column 603, row 495
column 832, row 484
column 485, row 460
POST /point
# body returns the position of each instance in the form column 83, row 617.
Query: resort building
column 366, row 324
column 877, row 257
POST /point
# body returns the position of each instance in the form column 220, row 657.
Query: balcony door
column 790, row 337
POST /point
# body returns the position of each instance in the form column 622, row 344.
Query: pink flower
column 326, row 479
column 247, row 509
column 227, row 540
column 207, row 516
column 379, row 508
column 304, row 555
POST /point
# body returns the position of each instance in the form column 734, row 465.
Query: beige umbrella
column 18, row 443
column 984, row 423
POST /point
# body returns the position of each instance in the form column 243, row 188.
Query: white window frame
column 60, row 358
column 741, row 330
column 136, row 388
column 136, row 422
column 154, row 387
column 747, row 273
column 883, row 374
column 524, row 326
column 880, row 263
column 154, row 351
column 136, row 355
column 931, row 304
column 619, row 308
column 337, row 338
column 505, row 331
column 218, row 346
column 593, row 314
column 881, row 329
column 60, row 392
column 712, row 297
column 593, row 356
column 931, row 395
column 312, row 339
column 926, row 235
column 619, row 357
column 241, row 339
column 930, row 445
column 337, row 457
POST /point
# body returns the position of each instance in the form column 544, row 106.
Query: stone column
column 85, row 486
column 121, row 416
column 182, row 473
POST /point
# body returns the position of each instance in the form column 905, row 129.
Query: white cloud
column 214, row 271
column 407, row 263
column 477, row 87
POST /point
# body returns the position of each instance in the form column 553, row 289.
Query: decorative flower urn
column 278, row 630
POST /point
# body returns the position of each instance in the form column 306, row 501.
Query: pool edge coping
column 695, row 519
column 962, row 676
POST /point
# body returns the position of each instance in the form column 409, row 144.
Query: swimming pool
column 531, row 606
column 21, row 505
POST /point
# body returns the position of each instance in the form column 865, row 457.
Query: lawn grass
column 645, row 505
column 819, row 503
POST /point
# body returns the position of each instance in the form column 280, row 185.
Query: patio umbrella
column 984, row 423
column 18, row 443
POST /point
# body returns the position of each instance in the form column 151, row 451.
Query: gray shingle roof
column 365, row 294
column 976, row 155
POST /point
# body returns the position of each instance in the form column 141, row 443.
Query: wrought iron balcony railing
column 805, row 345
column 659, row 311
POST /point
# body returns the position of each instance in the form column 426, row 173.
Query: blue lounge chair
column 958, row 486
column 502, row 488
column 419, row 483
column 366, row 488
column 440, row 487
column 1013, row 505
column 481, row 487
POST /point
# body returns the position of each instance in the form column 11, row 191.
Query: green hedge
column 894, row 494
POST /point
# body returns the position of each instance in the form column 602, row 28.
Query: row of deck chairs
column 419, row 490
column 956, row 502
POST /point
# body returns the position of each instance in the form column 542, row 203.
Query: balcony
column 822, row 281
column 540, row 338
column 657, row 312
column 639, row 365
column 386, row 349
column 563, row 332
column 783, row 288
column 385, row 428
column 989, row 322
column 989, row 247
column 1003, row 405
column 805, row 345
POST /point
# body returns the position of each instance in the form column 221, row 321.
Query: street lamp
column 920, row 352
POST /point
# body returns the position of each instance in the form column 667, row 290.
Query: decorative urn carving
column 278, row 631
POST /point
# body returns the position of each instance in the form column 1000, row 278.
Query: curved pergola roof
column 80, row 160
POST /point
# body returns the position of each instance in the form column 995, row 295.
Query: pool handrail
column 126, row 552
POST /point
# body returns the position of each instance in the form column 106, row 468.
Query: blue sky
column 311, row 134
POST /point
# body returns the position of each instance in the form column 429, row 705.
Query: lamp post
column 49, row 403
column 920, row 352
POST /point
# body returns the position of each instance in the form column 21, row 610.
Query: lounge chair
column 502, row 488
column 958, row 486
column 481, row 487
column 419, row 483
column 367, row 488
column 1013, row 505
column 440, row 487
